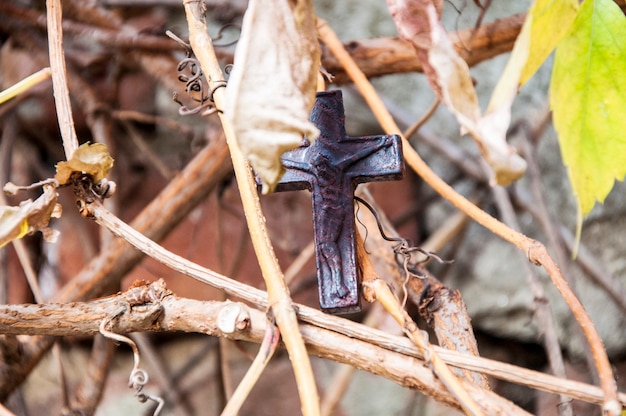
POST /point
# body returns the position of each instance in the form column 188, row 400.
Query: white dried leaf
column 271, row 89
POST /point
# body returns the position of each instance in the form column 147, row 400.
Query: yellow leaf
column 549, row 21
column 271, row 89
column 90, row 159
column 546, row 24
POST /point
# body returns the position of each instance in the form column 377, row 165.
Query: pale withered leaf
column 419, row 22
column 91, row 159
column 271, row 89
column 29, row 216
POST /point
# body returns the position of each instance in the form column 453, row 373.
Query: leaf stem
column 59, row 77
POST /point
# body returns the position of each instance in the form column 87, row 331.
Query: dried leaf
column 272, row 86
column 91, row 159
column 10, row 188
column 29, row 216
column 419, row 22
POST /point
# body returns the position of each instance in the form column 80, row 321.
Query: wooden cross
column 331, row 169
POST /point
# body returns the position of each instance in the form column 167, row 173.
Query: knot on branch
column 87, row 192
column 536, row 252
column 142, row 292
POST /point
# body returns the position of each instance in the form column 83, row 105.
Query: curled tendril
column 192, row 79
column 190, row 73
column 404, row 252
column 138, row 378
column 220, row 34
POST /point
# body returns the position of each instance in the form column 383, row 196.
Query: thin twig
column 594, row 268
column 145, row 149
column 299, row 262
column 139, row 117
column 224, row 376
column 59, row 77
column 278, row 293
column 338, row 385
column 266, row 351
column 423, row 119
column 535, row 250
column 33, row 283
column 529, row 135
column 24, row 85
column 542, row 309
column 87, row 396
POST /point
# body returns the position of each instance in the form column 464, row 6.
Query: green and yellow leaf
column 588, row 99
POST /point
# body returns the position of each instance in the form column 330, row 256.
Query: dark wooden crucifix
column 331, row 168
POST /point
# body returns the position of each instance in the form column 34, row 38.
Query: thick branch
column 353, row 330
column 375, row 57
column 154, row 308
column 383, row 56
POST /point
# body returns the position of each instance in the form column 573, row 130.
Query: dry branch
column 87, row 395
column 59, row 77
column 153, row 308
column 353, row 330
column 376, row 57
column 535, row 250
column 441, row 307
column 374, row 288
column 278, row 293
column 390, row 356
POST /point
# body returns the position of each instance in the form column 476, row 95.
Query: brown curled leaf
column 91, row 159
